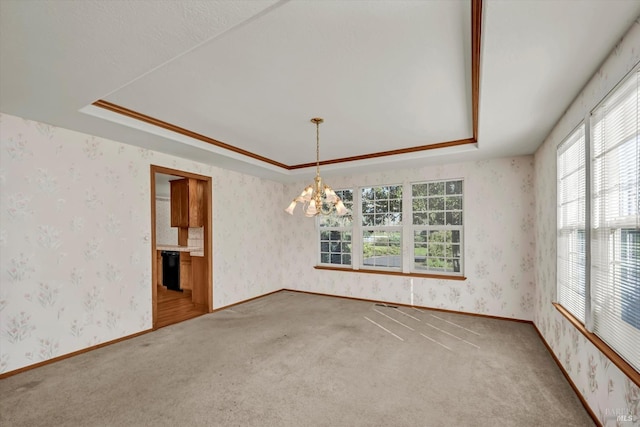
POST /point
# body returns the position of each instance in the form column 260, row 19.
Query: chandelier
column 318, row 198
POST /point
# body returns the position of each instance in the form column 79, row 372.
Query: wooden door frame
column 208, row 254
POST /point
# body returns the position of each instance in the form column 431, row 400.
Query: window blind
column 571, row 238
column 615, row 220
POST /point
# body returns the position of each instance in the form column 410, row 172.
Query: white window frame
column 382, row 229
column 446, row 227
column 604, row 324
column 567, row 293
column 404, row 228
column 347, row 228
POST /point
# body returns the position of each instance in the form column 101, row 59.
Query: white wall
column 499, row 243
column 165, row 233
column 70, row 202
column 603, row 385
column 75, row 239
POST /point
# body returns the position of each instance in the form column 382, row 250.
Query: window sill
column 391, row 273
column 622, row 364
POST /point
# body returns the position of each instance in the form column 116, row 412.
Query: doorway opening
column 181, row 266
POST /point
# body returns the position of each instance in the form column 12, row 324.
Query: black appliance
column 171, row 270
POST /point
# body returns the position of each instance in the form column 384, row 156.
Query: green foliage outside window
column 335, row 233
column 437, row 216
column 382, row 206
column 381, row 244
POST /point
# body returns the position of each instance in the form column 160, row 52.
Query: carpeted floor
column 293, row 359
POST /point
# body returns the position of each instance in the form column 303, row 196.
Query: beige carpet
column 292, row 359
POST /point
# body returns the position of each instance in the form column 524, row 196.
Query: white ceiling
column 385, row 75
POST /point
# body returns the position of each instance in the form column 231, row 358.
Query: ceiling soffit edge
column 476, row 30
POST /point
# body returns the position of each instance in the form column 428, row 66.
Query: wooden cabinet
column 159, row 267
column 198, row 282
column 180, row 203
column 187, row 203
column 185, row 271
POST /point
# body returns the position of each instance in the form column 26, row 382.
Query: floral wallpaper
column 499, row 244
column 612, row 396
column 69, row 203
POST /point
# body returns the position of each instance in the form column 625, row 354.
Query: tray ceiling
column 387, row 76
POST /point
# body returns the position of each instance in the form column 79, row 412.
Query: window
column 571, row 223
column 599, row 283
column 382, row 226
column 423, row 221
column 335, row 234
column 615, row 220
column 437, row 226
column 629, row 262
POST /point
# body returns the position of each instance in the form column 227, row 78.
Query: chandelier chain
column 317, row 148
